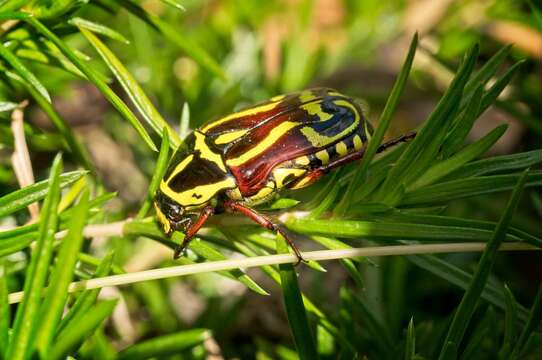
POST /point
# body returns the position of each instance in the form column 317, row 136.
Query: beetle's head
column 171, row 215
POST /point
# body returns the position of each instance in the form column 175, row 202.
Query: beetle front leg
column 193, row 229
column 265, row 222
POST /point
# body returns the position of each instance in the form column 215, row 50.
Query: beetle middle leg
column 265, row 222
column 193, row 229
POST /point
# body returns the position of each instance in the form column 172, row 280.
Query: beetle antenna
column 403, row 138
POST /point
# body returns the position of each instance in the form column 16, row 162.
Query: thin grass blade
column 22, row 341
column 383, row 124
column 98, row 28
column 5, row 311
column 80, row 329
column 56, row 294
column 23, row 71
column 410, row 346
column 510, row 323
column 293, row 302
column 468, row 303
column 166, row 345
column 535, row 317
column 21, row 198
column 159, row 170
column 132, row 88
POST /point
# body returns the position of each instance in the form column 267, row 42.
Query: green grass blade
column 184, row 123
column 132, row 88
column 21, row 198
column 175, row 37
column 469, row 153
column 468, row 303
column 8, row 106
column 159, row 170
column 491, row 95
column 75, row 146
column 383, row 124
column 95, row 79
column 293, row 302
column 463, row 125
column 487, row 71
column 5, row 311
column 410, row 346
column 175, row 4
column 166, row 345
column 23, row 71
column 535, row 317
column 510, row 322
column 78, row 331
column 388, row 230
column 495, row 164
column 428, row 137
column 98, row 28
column 22, row 341
column 458, row 189
column 88, row 297
column 56, row 294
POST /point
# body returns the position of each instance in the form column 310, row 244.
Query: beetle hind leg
column 264, row 222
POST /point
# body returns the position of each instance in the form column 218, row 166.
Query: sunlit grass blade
column 383, row 124
column 410, row 345
column 75, row 146
column 56, row 294
column 95, row 79
column 535, row 317
column 175, row 4
column 428, row 137
column 8, row 106
column 293, row 302
column 5, row 311
column 175, row 37
column 98, row 28
column 23, row 72
column 132, row 89
column 165, row 345
column 159, row 170
column 495, row 164
column 510, row 323
column 389, row 230
column 184, row 122
column 463, row 188
column 471, row 297
column 472, row 151
column 22, row 341
column 21, row 198
column 80, row 329
column 87, row 298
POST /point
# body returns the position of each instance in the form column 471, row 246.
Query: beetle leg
column 193, row 229
column 265, row 222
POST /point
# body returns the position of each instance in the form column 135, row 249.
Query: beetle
column 244, row 159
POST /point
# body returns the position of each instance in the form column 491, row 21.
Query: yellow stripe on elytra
column 204, row 192
column 206, row 153
column 180, row 167
column 315, row 108
column 229, row 137
column 268, row 141
column 319, row 140
column 281, row 174
column 243, row 113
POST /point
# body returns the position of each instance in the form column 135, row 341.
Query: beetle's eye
column 175, row 213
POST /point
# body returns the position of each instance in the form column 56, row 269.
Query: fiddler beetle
column 244, row 159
